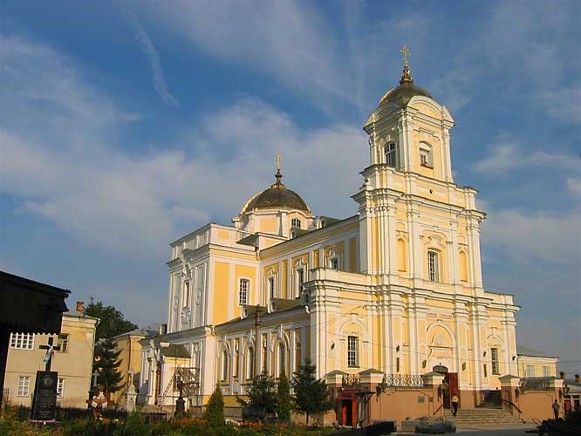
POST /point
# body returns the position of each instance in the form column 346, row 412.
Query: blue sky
column 124, row 125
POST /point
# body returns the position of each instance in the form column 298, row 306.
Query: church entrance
column 348, row 408
column 450, row 384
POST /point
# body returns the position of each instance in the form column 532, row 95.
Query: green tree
column 311, row 395
column 214, row 412
column 107, row 365
column 283, row 398
column 261, row 397
column 112, row 322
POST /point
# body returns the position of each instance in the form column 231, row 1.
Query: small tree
column 214, row 412
column 283, row 398
column 311, row 395
column 261, row 397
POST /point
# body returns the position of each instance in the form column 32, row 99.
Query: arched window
column 271, row 287
column 281, row 359
column 225, row 365
column 462, row 258
column 250, row 364
column 401, row 255
column 433, row 266
column 390, row 154
column 426, row 159
column 295, row 222
column 186, row 294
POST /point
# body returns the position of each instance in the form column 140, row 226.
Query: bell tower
column 417, row 227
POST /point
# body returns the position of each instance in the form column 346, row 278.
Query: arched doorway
column 450, row 384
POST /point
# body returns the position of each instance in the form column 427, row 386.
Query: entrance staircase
column 482, row 417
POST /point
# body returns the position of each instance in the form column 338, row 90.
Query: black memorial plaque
column 44, row 404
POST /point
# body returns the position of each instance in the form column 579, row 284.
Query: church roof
column 278, row 196
column 401, row 95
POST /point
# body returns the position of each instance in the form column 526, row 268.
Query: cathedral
column 386, row 298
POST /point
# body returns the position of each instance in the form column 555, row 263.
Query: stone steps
column 481, row 416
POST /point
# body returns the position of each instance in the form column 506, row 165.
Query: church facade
column 393, row 293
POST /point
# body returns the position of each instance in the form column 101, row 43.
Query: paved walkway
column 508, row 430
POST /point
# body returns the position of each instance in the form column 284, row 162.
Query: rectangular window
column 530, row 371
column 186, row 295
column 353, row 352
column 22, row 341
column 63, row 342
column 295, row 222
column 300, row 280
column 494, row 361
column 390, row 155
column 433, row 266
column 546, row 371
column 271, row 289
column 243, row 292
column 23, row 386
column 60, row 388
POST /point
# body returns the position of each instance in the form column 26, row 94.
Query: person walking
column 455, row 401
column 556, row 408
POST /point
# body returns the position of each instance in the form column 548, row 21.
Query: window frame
column 295, row 221
column 271, row 287
column 281, row 352
column 529, row 371
column 426, row 151
column 250, row 363
column 390, row 154
column 434, row 266
column 243, row 290
column 495, row 361
column 22, row 341
column 60, row 388
column 352, row 351
column 225, row 372
column 23, row 387
column 186, row 290
column 63, row 341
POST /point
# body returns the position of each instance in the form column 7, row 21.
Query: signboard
column 44, row 402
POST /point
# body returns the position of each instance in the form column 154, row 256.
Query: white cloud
column 153, row 58
column 528, row 46
column 574, row 185
column 535, row 237
column 508, row 154
column 129, row 204
column 289, row 40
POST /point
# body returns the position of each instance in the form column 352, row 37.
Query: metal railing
column 535, row 384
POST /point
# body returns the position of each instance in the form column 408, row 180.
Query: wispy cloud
column 508, row 155
column 153, row 58
column 551, row 238
column 141, row 203
column 289, row 41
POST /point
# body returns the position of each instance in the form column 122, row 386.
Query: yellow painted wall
column 221, row 291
